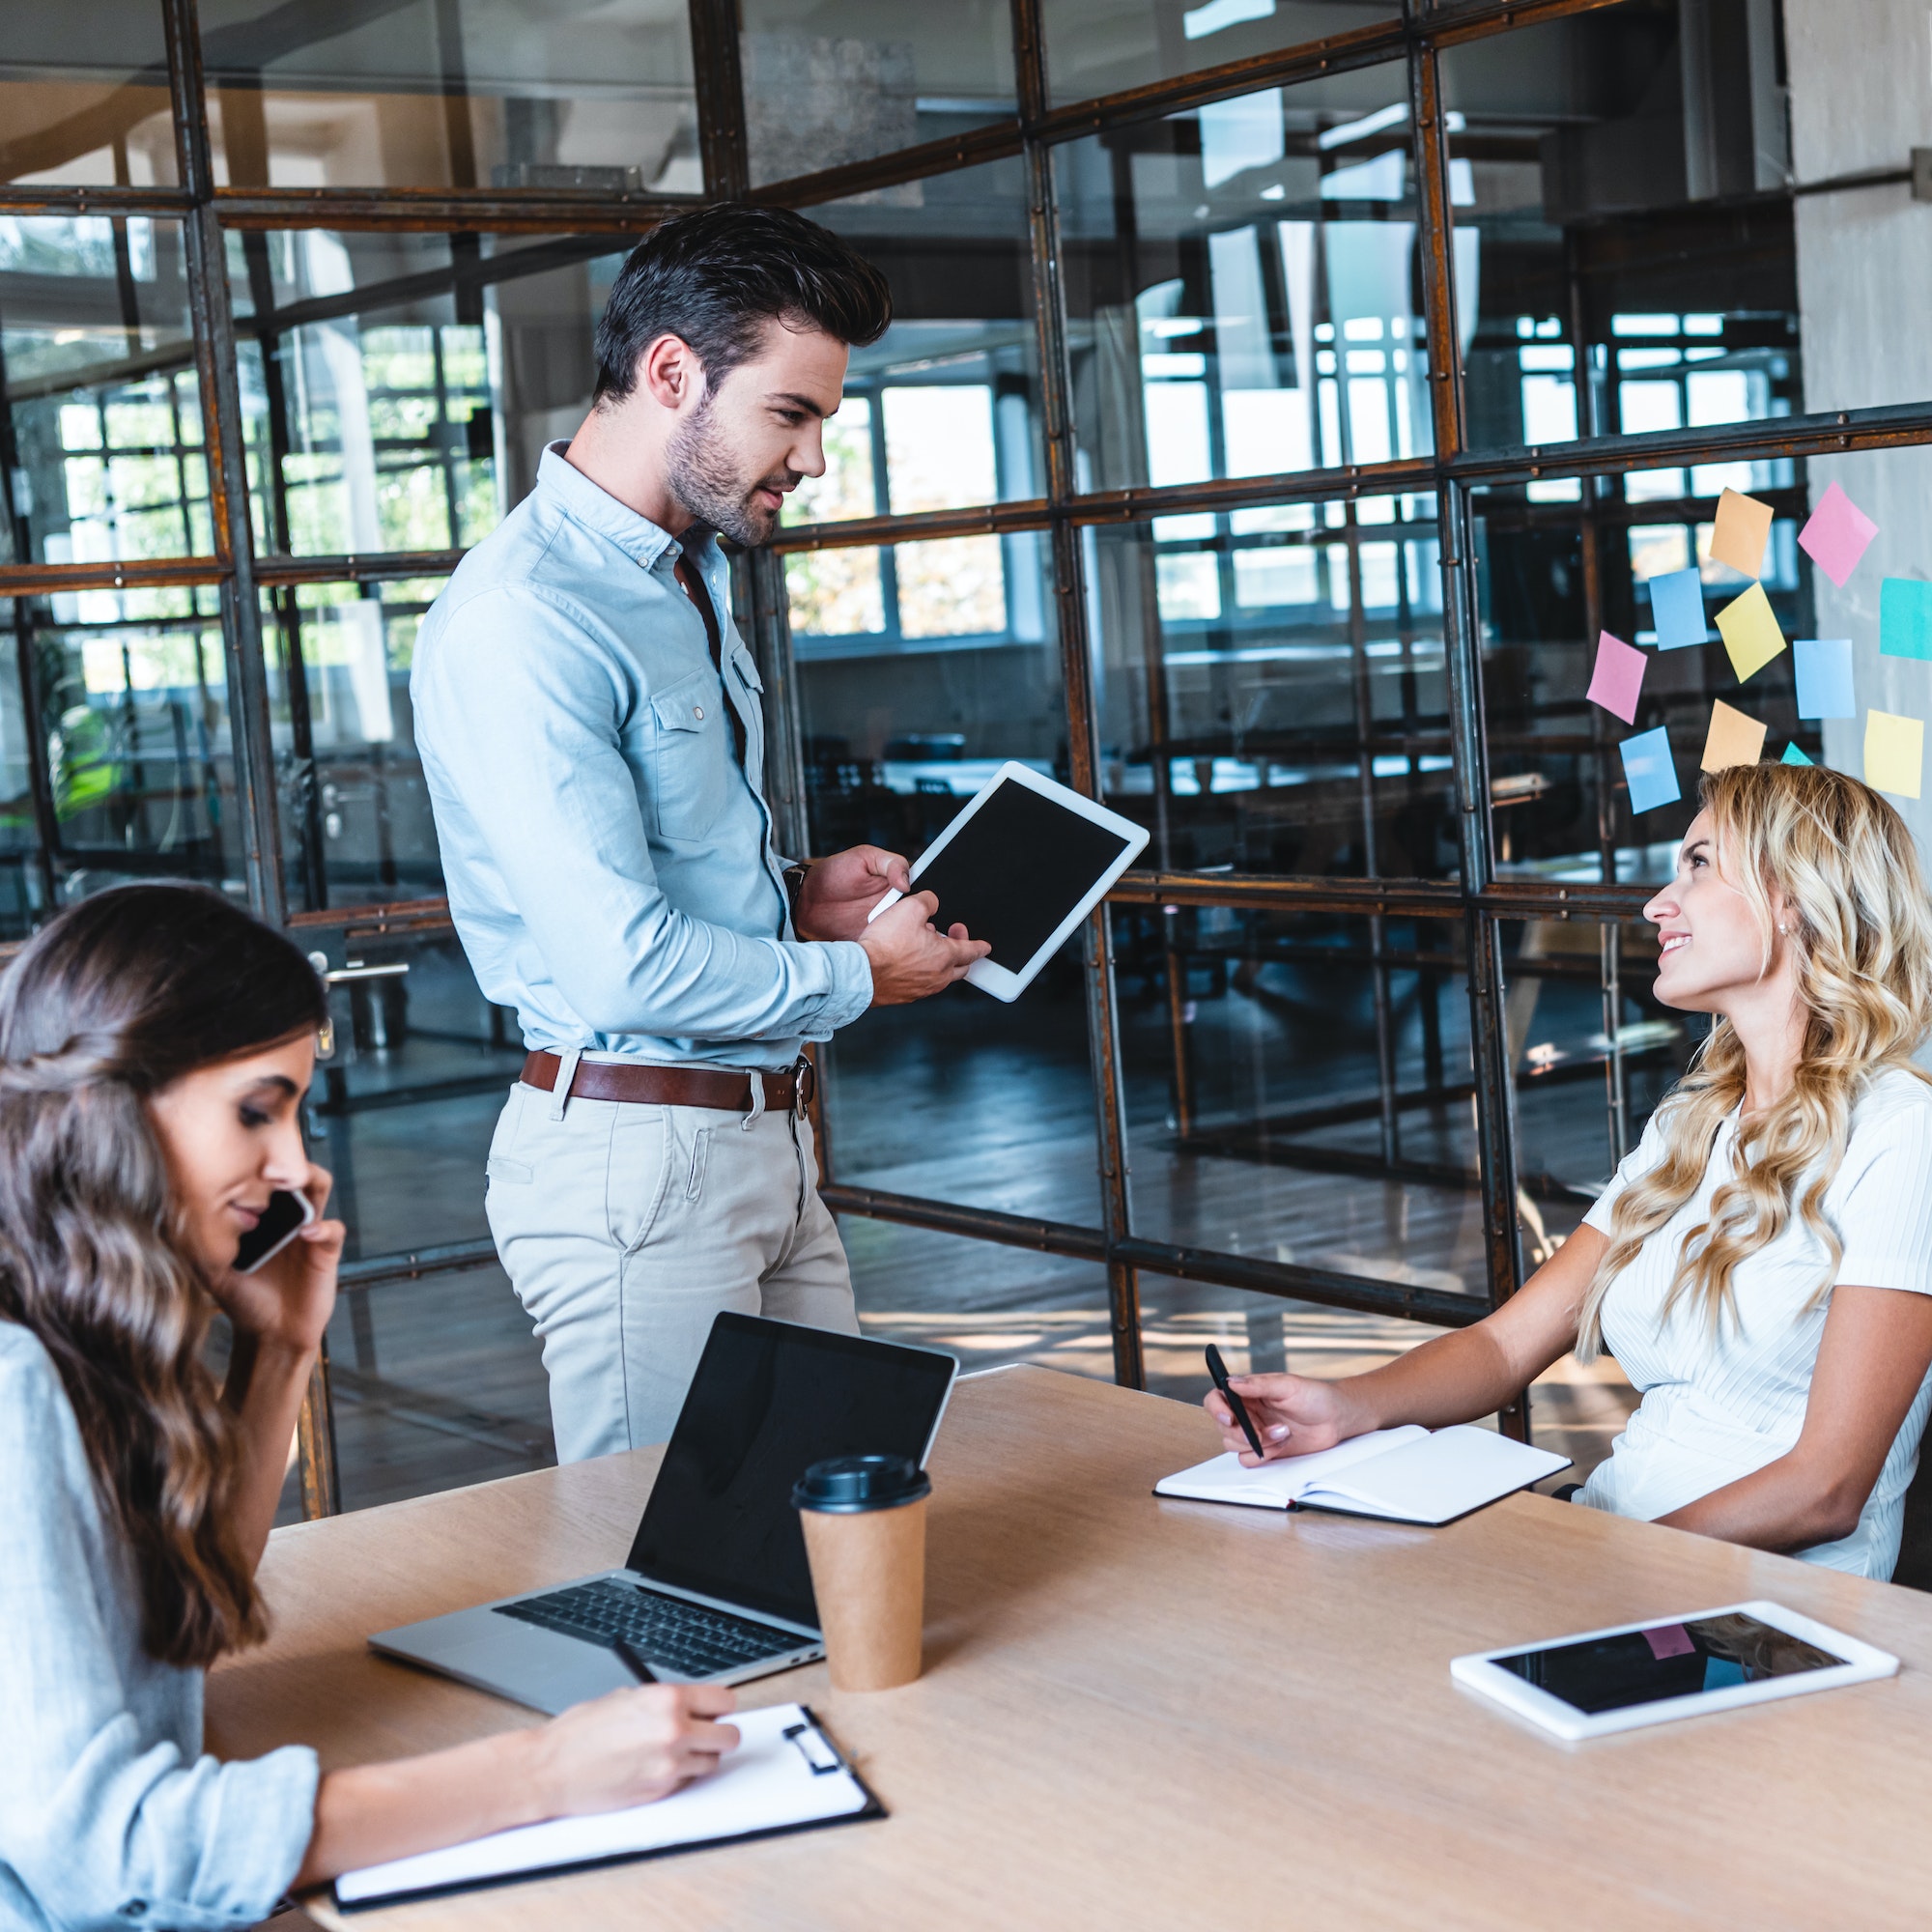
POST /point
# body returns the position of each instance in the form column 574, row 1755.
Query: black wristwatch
column 794, row 884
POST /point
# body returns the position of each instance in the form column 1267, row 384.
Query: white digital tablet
column 1614, row 1679
column 1021, row 866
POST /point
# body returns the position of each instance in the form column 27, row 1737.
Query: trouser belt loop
column 803, row 1075
column 757, row 1111
column 567, row 1072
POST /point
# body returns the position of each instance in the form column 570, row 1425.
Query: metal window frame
column 1480, row 901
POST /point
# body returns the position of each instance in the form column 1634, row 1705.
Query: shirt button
column 136, row 1908
column 698, row 711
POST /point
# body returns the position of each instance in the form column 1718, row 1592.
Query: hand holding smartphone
column 286, row 1216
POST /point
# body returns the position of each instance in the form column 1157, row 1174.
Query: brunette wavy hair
column 1848, row 870
column 109, row 1003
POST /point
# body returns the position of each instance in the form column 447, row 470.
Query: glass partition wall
column 1282, row 399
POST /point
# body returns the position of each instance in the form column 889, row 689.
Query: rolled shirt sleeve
column 109, row 1814
column 527, row 719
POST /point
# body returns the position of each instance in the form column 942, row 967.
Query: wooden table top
column 1143, row 1713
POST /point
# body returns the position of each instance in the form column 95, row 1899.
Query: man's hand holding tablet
column 910, row 957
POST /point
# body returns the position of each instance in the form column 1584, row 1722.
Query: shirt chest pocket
column 691, row 759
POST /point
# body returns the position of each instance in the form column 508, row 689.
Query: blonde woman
column 1761, row 1267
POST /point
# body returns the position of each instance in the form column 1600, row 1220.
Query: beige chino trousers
column 624, row 1229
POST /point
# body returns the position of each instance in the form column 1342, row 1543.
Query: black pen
column 633, row 1663
column 1218, row 1369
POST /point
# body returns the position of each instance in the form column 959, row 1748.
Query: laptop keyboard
column 682, row 1636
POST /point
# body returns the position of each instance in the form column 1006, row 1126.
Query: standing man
column 590, row 729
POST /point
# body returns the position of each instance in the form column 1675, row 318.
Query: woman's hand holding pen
column 1292, row 1415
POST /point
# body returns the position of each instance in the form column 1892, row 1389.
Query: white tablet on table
column 1648, row 1673
column 1020, row 867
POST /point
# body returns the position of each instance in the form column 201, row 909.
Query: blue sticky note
column 1794, row 756
column 1677, row 609
column 1649, row 769
column 1824, row 677
column 1905, row 618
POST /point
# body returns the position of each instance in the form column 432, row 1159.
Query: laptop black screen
column 770, row 1399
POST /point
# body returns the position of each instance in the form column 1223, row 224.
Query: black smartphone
column 284, row 1217
column 1218, row 1369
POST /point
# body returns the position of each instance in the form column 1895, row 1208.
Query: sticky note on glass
column 1733, row 739
column 1895, row 753
column 1905, row 617
column 1824, row 667
column 1743, row 528
column 1649, row 770
column 1794, row 756
column 1677, row 609
column 1836, row 534
column 1618, row 677
column 1748, row 627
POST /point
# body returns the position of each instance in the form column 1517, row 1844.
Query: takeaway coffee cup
column 865, row 1533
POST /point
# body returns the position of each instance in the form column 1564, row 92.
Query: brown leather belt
column 654, row 1086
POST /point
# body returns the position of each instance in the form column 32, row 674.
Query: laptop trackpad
column 508, row 1657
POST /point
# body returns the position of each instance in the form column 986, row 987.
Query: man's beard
column 704, row 478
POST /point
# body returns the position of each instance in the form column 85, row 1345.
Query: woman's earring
column 1785, row 931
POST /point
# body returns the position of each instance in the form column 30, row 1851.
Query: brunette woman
column 155, row 1047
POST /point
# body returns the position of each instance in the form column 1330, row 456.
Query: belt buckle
column 805, row 1084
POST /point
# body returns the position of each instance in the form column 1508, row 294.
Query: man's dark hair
column 714, row 279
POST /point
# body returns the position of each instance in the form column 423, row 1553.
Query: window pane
column 1605, row 219
column 942, row 412
column 1272, row 694
column 357, row 825
column 1255, row 1101
column 902, row 727
column 76, row 115
column 23, row 896
column 1100, row 46
column 133, row 704
column 486, row 94
column 438, row 1381
column 1241, row 287
column 1552, row 575
column 102, row 408
column 384, row 417
column 833, row 81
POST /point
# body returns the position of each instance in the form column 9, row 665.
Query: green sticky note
column 1794, row 756
column 1905, row 618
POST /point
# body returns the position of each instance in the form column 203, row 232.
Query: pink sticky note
column 1836, row 535
column 1618, row 677
column 1669, row 1640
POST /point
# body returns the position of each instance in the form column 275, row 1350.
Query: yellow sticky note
column 1895, row 753
column 1743, row 527
column 1733, row 739
column 1748, row 627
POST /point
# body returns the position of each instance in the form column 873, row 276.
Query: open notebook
column 1406, row 1474
column 786, row 1776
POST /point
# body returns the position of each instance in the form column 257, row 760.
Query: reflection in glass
column 832, row 81
column 1273, row 694
column 1550, row 577
column 460, row 94
column 357, row 823
column 383, row 418
column 132, row 721
column 1241, row 287
column 1590, row 172
column 1298, row 1089
column 942, row 412
column 100, row 453
column 88, row 108
column 1100, row 46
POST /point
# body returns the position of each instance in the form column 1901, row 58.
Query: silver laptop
column 716, row 1588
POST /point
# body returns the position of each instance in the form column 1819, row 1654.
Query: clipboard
column 786, row 1776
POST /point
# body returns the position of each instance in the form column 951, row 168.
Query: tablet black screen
column 1609, row 1673
column 1016, row 869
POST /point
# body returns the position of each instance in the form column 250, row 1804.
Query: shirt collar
column 596, row 509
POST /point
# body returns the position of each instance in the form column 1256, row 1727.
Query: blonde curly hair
column 1848, row 870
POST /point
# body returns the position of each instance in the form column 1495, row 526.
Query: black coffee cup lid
column 849, row 1483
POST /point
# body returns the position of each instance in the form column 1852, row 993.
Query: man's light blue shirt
column 609, row 863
